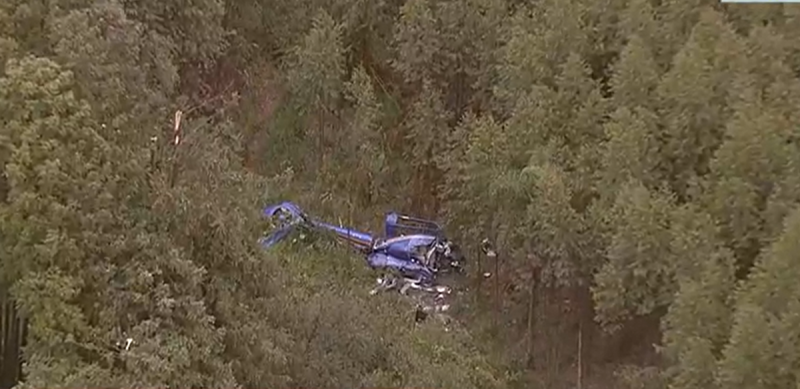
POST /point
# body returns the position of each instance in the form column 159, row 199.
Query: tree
column 127, row 79
column 746, row 167
column 697, row 325
column 471, row 30
column 417, row 43
column 635, row 76
column 427, row 129
column 539, row 41
column 314, row 72
column 192, row 28
column 472, row 165
column 693, row 99
column 637, row 278
column 364, row 143
column 752, row 163
column 455, row 190
column 678, row 19
column 57, row 185
column 764, row 339
column 630, row 151
column 554, row 227
column 639, row 20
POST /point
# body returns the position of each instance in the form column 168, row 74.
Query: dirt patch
column 251, row 92
column 269, row 93
column 264, row 90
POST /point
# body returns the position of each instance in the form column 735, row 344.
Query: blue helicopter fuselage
column 403, row 253
column 406, row 247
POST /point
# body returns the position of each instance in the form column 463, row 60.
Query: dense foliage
column 637, row 162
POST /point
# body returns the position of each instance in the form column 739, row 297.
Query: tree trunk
column 12, row 332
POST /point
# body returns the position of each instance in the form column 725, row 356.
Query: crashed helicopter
column 413, row 254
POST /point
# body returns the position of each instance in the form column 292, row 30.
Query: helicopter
column 413, row 253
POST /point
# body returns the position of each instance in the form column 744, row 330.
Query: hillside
column 636, row 162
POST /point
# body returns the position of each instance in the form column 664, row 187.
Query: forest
column 635, row 162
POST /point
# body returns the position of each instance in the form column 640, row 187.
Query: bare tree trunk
column 529, row 351
column 12, row 334
column 580, row 353
column 532, row 302
column 548, row 332
column 497, row 289
column 480, row 278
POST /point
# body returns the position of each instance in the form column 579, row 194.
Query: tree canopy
column 636, row 162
